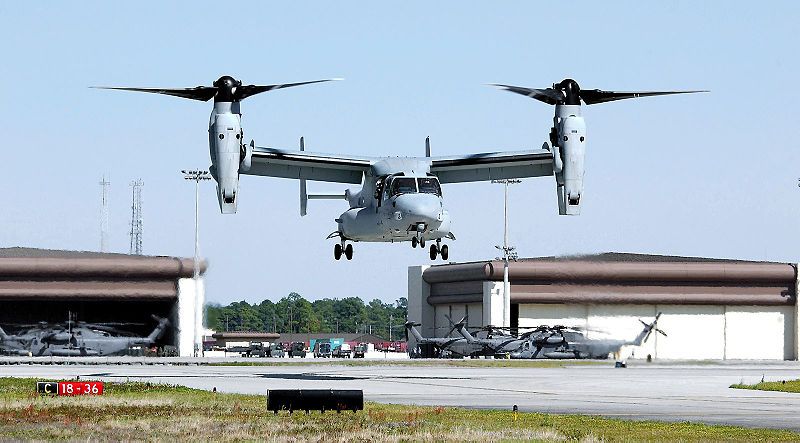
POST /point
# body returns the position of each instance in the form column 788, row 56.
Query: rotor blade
column 245, row 91
column 201, row 93
column 548, row 95
column 594, row 96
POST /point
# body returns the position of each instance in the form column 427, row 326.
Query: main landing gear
column 340, row 248
column 438, row 249
column 417, row 241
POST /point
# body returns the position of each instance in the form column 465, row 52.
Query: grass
column 140, row 411
column 781, row 386
column 465, row 363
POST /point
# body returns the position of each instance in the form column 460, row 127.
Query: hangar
column 711, row 309
column 45, row 285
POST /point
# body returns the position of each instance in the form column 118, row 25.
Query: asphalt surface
column 668, row 392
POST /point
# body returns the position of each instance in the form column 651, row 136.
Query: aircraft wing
column 492, row 166
column 283, row 163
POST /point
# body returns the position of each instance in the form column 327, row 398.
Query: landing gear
column 438, row 249
column 414, row 242
column 340, row 248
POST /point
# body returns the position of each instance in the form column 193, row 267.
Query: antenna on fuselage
column 428, row 146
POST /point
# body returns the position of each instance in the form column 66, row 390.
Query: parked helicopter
column 435, row 347
column 400, row 199
column 566, row 342
column 73, row 339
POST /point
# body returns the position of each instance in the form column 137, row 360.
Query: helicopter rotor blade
column 594, row 96
column 547, row 95
column 200, row 93
column 245, row 91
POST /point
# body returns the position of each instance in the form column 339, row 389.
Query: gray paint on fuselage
column 388, row 218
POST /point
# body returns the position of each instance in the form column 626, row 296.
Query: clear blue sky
column 706, row 175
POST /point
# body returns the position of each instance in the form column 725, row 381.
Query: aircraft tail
column 648, row 329
column 411, row 327
column 163, row 323
column 3, row 335
column 461, row 327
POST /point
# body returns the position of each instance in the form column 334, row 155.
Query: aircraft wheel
column 413, row 242
column 421, row 242
column 445, row 252
column 348, row 251
column 434, row 252
column 337, row 251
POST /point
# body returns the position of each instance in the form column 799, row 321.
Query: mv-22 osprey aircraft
column 400, row 198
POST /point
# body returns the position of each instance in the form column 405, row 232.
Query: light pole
column 197, row 176
column 509, row 252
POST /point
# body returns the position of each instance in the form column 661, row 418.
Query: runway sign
column 69, row 388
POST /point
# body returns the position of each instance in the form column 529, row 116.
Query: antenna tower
column 136, row 217
column 104, row 184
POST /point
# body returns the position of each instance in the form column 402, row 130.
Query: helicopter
column 75, row 339
column 562, row 342
column 400, row 198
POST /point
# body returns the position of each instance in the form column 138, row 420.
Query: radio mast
column 104, row 185
column 136, row 217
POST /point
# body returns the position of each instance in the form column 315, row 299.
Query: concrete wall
column 693, row 332
column 189, row 318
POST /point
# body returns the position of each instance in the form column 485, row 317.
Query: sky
column 711, row 175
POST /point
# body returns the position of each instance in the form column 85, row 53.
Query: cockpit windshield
column 429, row 185
column 403, row 185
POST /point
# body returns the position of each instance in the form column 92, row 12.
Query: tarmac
column 697, row 392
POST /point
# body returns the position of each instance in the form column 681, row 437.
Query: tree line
column 293, row 313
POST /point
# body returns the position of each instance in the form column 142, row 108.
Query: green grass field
column 138, row 411
column 782, row 386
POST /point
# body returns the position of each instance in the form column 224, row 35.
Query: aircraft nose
column 421, row 208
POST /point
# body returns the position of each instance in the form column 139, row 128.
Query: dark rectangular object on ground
column 315, row 400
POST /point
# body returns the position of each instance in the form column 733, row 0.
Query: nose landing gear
column 340, row 248
column 438, row 249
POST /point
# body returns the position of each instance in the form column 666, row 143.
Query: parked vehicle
column 256, row 349
column 298, row 349
column 276, row 350
column 322, row 349
column 361, row 350
column 342, row 351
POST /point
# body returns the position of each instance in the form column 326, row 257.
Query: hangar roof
column 633, row 257
column 35, row 274
column 620, row 278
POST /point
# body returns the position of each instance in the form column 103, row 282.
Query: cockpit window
column 403, row 185
column 429, row 185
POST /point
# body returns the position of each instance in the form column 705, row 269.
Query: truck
column 297, row 349
column 256, row 349
column 361, row 350
column 342, row 351
column 322, row 349
column 276, row 350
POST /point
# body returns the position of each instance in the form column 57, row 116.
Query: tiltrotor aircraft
column 400, row 198
column 74, row 339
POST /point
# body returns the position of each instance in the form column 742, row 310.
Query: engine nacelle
column 572, row 152
column 225, row 137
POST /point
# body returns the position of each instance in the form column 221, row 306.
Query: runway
column 668, row 392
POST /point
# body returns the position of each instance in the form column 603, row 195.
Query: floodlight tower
column 136, row 217
column 509, row 252
column 197, row 176
column 104, row 184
